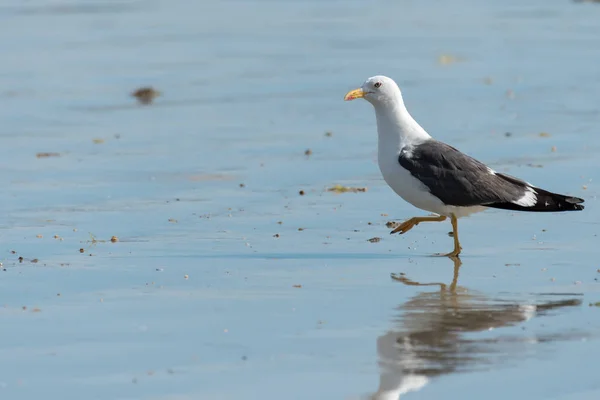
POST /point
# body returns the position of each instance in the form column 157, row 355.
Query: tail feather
column 545, row 202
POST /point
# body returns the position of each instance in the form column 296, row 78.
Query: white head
column 394, row 123
column 378, row 90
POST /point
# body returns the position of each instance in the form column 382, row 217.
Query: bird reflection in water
column 434, row 335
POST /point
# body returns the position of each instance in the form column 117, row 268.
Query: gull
column 438, row 178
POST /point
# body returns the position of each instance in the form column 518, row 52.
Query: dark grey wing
column 455, row 178
column 460, row 180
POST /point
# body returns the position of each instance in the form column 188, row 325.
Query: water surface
column 199, row 298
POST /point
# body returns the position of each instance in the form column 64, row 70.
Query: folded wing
column 460, row 180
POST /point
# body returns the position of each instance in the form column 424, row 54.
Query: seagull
column 436, row 177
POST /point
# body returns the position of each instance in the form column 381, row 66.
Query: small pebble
column 145, row 95
column 276, row 235
column 301, row 193
column 114, row 239
column 47, row 154
column 374, row 239
column 307, row 152
column 81, row 250
column 186, row 277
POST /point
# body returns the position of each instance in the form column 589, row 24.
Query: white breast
column 405, row 185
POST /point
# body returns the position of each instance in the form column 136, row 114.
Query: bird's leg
column 457, row 247
column 409, row 224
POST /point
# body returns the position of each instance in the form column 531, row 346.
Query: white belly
column 415, row 192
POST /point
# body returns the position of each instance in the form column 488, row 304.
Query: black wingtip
column 575, row 203
column 574, row 200
column 546, row 202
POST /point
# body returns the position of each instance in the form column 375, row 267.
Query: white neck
column 396, row 128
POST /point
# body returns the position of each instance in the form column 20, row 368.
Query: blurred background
column 191, row 211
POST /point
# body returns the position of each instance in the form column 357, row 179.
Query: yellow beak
column 354, row 94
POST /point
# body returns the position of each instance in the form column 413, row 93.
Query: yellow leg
column 409, row 224
column 457, row 248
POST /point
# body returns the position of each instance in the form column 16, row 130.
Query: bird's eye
column 377, row 85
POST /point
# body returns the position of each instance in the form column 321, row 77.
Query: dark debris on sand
column 145, row 95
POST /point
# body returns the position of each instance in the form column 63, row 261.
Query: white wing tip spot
column 528, row 200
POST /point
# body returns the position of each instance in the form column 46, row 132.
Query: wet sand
column 225, row 281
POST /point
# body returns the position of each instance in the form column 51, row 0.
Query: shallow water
column 198, row 299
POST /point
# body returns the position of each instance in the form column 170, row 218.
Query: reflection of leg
column 409, row 224
column 457, row 248
column 457, row 264
column 404, row 280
